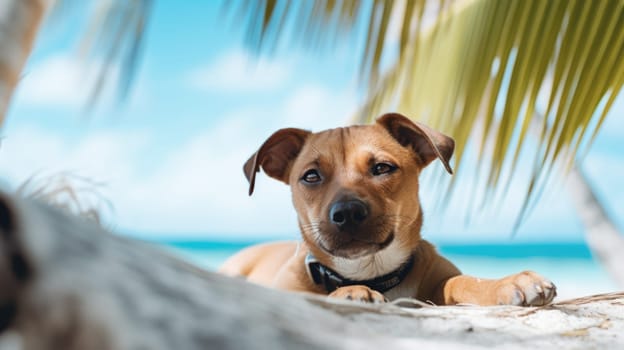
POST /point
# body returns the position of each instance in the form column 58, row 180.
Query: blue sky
column 171, row 157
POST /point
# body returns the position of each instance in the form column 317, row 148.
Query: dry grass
column 75, row 194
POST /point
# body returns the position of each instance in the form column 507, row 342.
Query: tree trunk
column 601, row 234
column 19, row 22
column 67, row 284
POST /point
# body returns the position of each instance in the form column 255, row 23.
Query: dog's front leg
column 359, row 293
column 523, row 289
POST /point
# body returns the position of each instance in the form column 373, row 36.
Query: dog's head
column 355, row 189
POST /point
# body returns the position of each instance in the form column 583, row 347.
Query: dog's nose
column 348, row 213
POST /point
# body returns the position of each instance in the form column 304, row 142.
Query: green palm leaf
column 480, row 70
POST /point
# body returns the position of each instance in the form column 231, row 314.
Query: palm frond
column 319, row 24
column 114, row 38
column 492, row 53
column 480, row 70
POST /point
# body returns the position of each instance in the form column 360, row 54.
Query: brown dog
column 355, row 190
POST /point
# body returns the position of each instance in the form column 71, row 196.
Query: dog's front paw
column 359, row 293
column 525, row 289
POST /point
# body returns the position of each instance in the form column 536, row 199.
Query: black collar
column 332, row 280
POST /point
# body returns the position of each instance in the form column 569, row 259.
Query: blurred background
column 153, row 138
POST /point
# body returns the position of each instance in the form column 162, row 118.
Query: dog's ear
column 429, row 144
column 275, row 156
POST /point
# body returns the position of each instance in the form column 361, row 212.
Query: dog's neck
column 332, row 280
column 372, row 266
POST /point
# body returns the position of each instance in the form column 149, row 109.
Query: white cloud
column 105, row 156
column 313, row 107
column 52, row 83
column 58, row 81
column 200, row 187
column 238, row 71
column 66, row 81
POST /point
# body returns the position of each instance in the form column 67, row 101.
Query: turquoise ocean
column 570, row 266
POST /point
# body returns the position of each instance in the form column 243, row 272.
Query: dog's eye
column 311, row 176
column 382, row 168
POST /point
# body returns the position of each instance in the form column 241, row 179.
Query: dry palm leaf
column 69, row 192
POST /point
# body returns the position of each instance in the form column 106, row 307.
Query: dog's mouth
column 354, row 248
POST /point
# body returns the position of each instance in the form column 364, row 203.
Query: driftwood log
column 65, row 283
